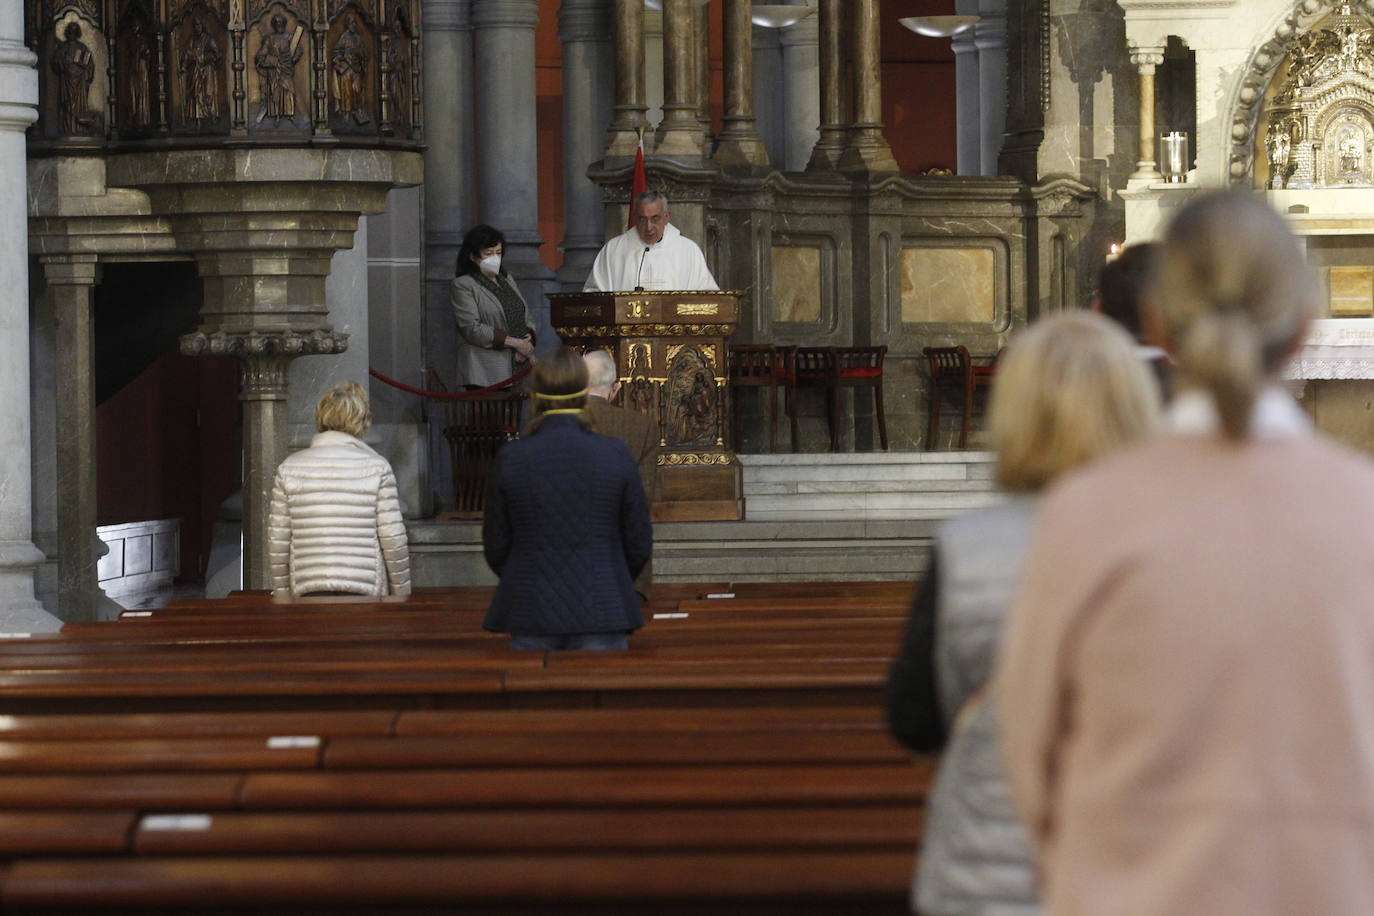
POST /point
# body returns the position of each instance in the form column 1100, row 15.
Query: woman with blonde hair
column 566, row 524
column 1068, row 391
column 1188, row 671
column 334, row 526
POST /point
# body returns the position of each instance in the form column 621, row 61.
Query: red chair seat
column 861, row 372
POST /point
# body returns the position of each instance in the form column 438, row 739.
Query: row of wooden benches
column 244, row 757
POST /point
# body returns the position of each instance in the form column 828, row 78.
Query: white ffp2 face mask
column 490, row 265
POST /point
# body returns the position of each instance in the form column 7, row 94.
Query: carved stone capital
column 256, row 345
column 1146, row 59
column 446, row 15
column 584, row 20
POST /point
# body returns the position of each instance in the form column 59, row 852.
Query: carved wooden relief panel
column 115, row 72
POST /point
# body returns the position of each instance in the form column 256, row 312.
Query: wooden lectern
column 669, row 348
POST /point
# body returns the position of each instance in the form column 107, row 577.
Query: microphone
column 638, row 288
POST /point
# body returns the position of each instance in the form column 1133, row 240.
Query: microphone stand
column 638, row 288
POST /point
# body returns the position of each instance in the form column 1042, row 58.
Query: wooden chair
column 815, row 367
column 476, row 429
column 763, row 366
column 952, row 370
column 859, row 367
column 844, row 367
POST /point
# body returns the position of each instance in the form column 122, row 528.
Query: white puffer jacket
column 335, row 522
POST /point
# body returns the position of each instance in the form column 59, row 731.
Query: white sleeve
column 599, row 280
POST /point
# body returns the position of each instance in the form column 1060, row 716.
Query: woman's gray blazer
column 483, row 358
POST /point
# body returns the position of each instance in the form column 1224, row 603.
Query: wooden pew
column 831, row 881
column 745, row 738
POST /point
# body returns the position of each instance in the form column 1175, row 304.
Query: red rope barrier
column 450, row 395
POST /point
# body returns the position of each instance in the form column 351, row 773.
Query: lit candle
column 1114, row 251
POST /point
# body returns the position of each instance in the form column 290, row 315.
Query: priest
column 652, row 255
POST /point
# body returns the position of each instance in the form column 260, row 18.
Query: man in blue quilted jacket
column 566, row 525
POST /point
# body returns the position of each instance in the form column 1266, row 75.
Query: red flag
column 640, row 183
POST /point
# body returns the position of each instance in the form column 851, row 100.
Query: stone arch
column 1248, row 102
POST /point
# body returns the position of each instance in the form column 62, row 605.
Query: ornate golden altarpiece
column 670, row 351
column 1320, row 110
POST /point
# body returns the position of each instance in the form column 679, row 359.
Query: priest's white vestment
column 675, row 262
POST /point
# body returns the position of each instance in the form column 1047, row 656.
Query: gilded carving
column 678, row 459
column 698, row 308
column 692, row 401
column 641, row 359
column 642, row 391
column 1320, row 115
column 647, row 330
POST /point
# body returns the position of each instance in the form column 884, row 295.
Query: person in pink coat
column 1187, row 678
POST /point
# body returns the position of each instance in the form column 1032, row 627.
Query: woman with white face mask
column 495, row 333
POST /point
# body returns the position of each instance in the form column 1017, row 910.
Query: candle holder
column 1173, row 156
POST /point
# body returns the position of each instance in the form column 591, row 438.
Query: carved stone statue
column 1351, row 152
column 349, row 60
column 75, row 68
column 398, row 75
column 1277, row 145
column 641, row 390
column 694, row 420
column 199, row 67
column 140, row 87
column 276, row 65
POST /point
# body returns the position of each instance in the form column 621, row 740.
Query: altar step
column 808, row 517
column 867, row 485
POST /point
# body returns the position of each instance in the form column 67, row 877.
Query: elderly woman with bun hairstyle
column 334, row 526
column 1069, row 390
column 566, row 524
column 1187, row 678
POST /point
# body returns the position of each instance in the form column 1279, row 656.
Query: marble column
column 769, row 92
column 507, row 143
column 866, row 147
column 1146, row 60
column 825, row 155
column 679, row 136
column 20, row 612
column 653, row 77
column 968, row 127
column 449, row 168
column 990, row 38
column 739, row 142
column 346, row 294
column 263, row 391
column 71, row 283
column 588, row 77
column 627, row 115
column 701, row 13
column 450, row 165
column 801, row 92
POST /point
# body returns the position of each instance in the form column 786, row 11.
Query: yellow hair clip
column 561, row 397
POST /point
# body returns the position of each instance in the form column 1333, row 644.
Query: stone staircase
column 808, row 517
column 868, row 485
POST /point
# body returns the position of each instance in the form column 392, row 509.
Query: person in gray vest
column 1068, row 391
